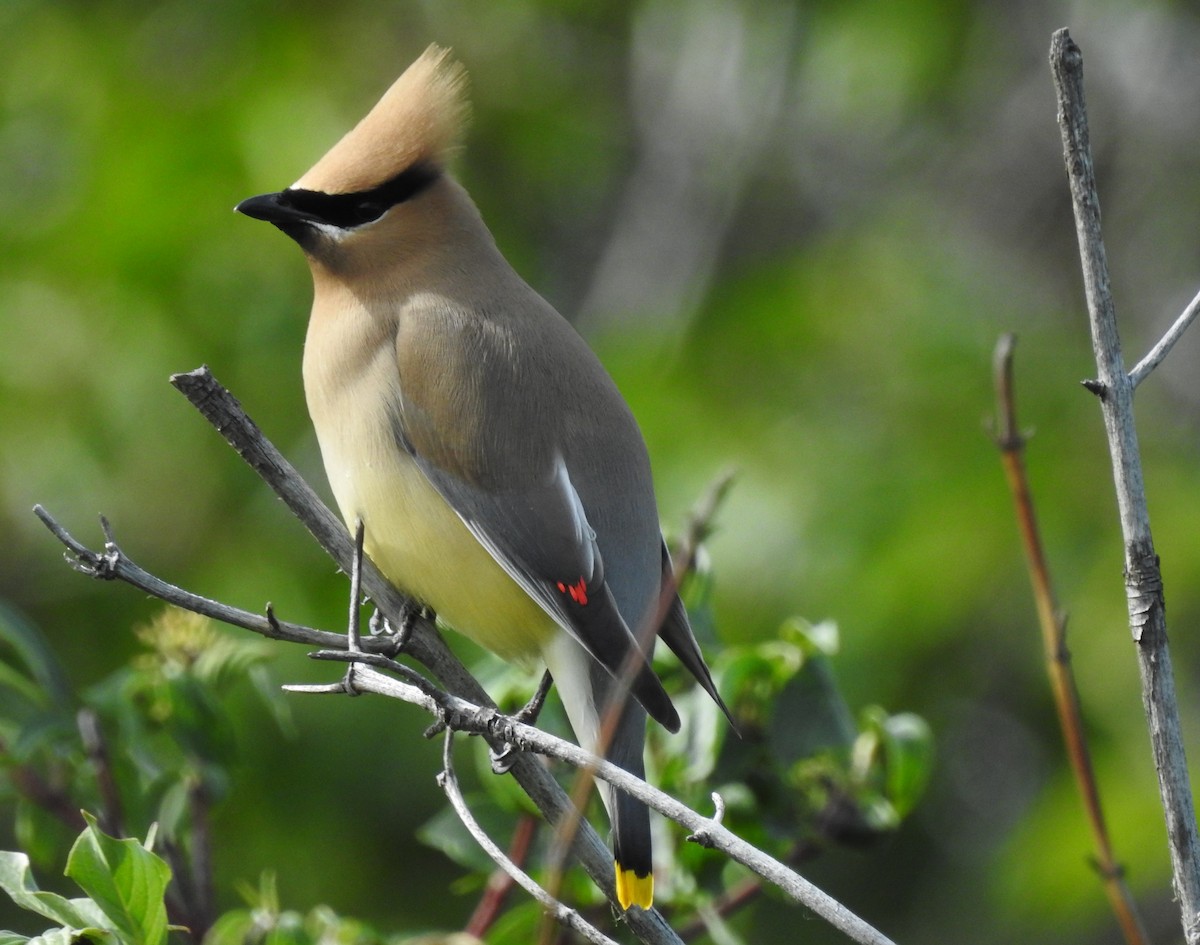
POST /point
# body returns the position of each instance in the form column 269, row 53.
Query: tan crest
column 418, row 119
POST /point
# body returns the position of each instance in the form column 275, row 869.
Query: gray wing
column 535, row 527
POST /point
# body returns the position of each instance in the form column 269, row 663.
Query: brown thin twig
column 1143, row 577
column 499, row 884
column 96, row 748
column 1011, row 444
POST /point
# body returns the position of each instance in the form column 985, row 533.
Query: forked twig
column 1143, row 577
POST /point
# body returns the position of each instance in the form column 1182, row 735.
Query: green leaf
column 17, row 880
column 814, row 638
column 908, row 747
column 812, row 694
column 445, row 832
column 36, row 653
column 232, row 928
column 127, row 882
column 70, row 936
column 21, row 686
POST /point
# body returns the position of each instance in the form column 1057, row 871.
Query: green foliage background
column 793, row 232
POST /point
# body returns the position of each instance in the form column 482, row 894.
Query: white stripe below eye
column 328, row 230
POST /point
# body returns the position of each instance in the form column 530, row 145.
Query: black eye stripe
column 355, row 209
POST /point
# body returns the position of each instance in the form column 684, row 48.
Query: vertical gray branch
column 1143, row 580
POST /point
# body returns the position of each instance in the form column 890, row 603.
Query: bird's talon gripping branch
column 502, row 759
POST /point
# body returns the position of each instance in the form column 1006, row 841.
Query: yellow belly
column 423, row 548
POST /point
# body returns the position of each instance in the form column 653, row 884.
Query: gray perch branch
column 462, row 716
column 1143, row 579
column 426, row 645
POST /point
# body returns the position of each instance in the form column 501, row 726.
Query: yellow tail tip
column 634, row 890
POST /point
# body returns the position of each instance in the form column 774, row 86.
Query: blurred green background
column 793, row 231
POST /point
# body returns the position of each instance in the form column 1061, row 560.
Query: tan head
column 395, row 154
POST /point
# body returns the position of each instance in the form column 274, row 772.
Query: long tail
column 584, row 687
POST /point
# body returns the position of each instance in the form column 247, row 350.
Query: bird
column 499, row 475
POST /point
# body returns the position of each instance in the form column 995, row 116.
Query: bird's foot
column 380, row 626
column 502, row 759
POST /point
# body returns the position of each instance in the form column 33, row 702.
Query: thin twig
column 1165, row 343
column 1143, row 578
column 1011, row 443
column 113, row 564
column 425, row 645
column 200, row 807
column 353, row 633
column 495, row 891
column 96, row 749
column 353, row 636
column 563, row 914
column 461, row 715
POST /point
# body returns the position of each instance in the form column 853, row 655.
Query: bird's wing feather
column 536, row 529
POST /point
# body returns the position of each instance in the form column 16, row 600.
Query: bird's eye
column 367, row 211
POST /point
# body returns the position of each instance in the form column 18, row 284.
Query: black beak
column 281, row 210
column 273, row 208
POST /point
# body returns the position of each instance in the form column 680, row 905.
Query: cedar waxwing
column 500, row 477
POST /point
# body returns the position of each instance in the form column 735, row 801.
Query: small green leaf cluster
column 803, row 773
column 123, row 882
column 149, row 748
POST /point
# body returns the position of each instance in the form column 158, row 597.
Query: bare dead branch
column 1156, row 354
column 1143, row 578
column 112, row 564
column 424, row 644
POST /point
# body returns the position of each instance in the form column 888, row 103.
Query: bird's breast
column 410, row 532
